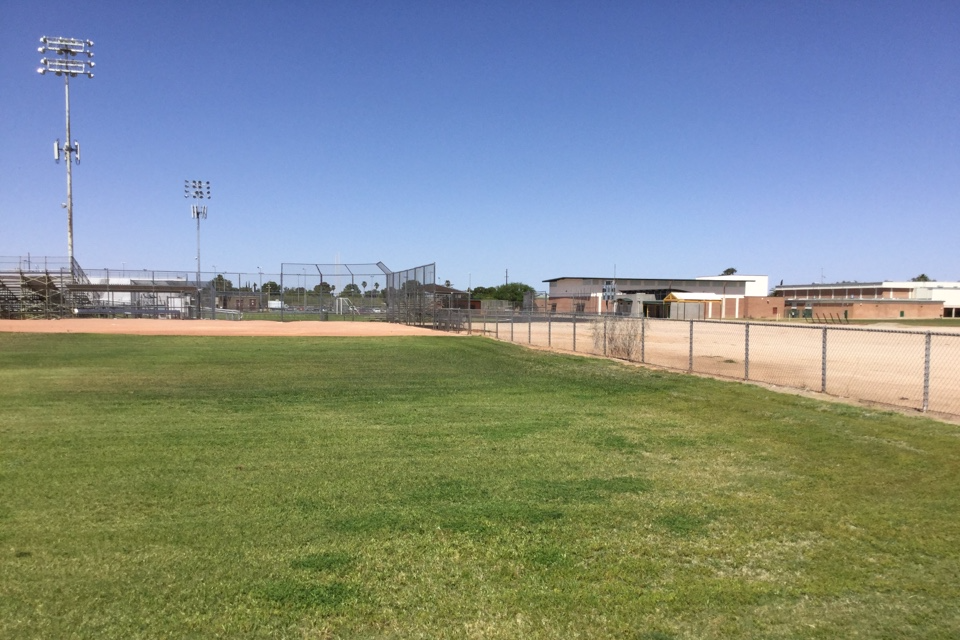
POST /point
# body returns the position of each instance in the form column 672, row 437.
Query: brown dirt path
column 215, row 327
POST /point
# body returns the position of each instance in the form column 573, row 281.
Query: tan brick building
column 872, row 300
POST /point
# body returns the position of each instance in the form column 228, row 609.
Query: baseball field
column 359, row 480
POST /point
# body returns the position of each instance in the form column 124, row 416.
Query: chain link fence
column 901, row 368
column 339, row 291
column 412, row 296
column 54, row 288
column 45, row 287
column 358, row 291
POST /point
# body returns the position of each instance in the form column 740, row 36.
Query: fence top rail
column 506, row 314
column 832, row 327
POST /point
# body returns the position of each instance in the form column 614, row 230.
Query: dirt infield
column 150, row 327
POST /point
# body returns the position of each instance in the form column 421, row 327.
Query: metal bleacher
column 41, row 290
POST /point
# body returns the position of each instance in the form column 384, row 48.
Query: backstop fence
column 316, row 291
column 411, row 296
column 351, row 291
column 899, row 368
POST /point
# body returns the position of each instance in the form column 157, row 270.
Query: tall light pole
column 68, row 66
column 199, row 191
column 260, row 290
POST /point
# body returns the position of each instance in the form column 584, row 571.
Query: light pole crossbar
column 67, row 65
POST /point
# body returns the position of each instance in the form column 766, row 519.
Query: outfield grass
column 453, row 488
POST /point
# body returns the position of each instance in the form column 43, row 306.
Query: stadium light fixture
column 69, row 66
column 199, row 190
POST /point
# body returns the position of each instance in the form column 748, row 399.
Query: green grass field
column 167, row 487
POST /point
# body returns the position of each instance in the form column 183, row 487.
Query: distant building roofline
column 717, row 278
column 885, row 283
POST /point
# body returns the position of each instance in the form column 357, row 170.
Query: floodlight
column 65, row 65
column 198, row 190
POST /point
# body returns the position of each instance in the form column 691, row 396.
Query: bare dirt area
column 150, row 327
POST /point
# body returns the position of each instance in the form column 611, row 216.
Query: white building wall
column 113, row 297
column 753, row 285
column 948, row 292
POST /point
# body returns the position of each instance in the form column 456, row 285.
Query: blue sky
column 801, row 140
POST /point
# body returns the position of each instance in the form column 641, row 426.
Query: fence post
column 604, row 335
column 574, row 331
column 926, row 372
column 496, row 326
column 511, row 325
column 823, row 371
column 530, row 328
column 643, row 339
column 690, row 365
column 746, row 351
column 549, row 330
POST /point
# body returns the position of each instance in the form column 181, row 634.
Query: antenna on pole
column 68, row 66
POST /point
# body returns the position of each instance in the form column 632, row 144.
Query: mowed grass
column 445, row 487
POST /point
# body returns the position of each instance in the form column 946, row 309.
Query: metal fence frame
column 314, row 291
column 409, row 297
column 917, row 370
column 48, row 288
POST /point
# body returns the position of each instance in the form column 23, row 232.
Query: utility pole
column 67, row 66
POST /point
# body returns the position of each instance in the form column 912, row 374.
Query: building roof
column 849, row 302
column 697, row 279
column 440, row 289
column 886, row 284
column 682, row 296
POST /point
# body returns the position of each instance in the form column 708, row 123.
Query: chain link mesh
column 911, row 369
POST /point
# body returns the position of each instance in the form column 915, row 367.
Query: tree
column 513, row 292
column 729, row 271
column 222, row 284
column 376, row 289
column 350, row 290
column 270, row 287
column 324, row 287
column 410, row 286
column 484, row 293
column 922, row 278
